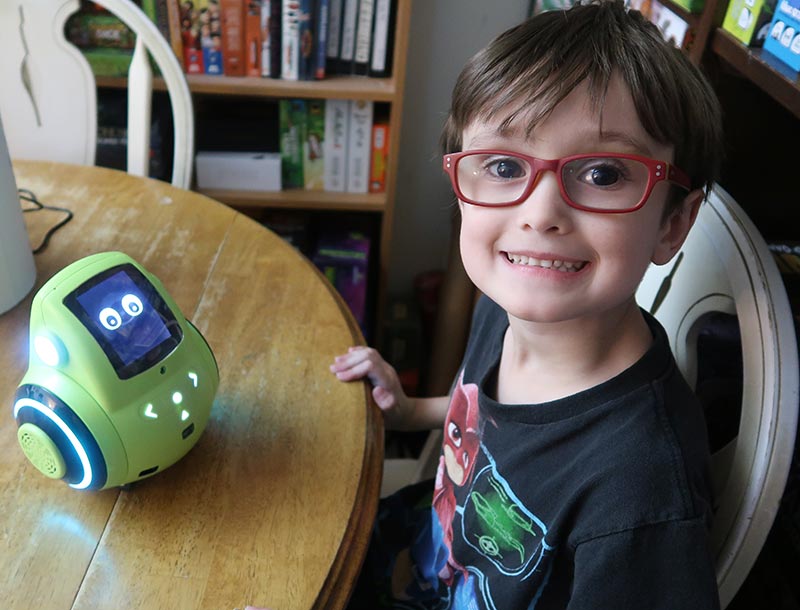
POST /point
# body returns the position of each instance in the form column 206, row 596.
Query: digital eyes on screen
column 111, row 319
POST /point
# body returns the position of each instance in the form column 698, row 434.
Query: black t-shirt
column 600, row 500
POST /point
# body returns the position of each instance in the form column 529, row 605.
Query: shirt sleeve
column 665, row 566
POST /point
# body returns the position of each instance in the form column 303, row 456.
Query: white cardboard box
column 243, row 171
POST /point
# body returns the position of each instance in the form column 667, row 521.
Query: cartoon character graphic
column 460, row 449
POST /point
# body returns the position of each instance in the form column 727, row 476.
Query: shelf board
column 769, row 73
column 300, row 199
column 343, row 87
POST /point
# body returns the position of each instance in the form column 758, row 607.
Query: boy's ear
column 676, row 227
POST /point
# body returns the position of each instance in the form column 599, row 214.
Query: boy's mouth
column 554, row 264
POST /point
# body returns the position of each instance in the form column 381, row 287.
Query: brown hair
column 531, row 67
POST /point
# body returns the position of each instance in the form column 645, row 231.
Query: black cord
column 30, row 197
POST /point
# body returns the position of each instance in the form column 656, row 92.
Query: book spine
column 379, row 156
column 174, row 23
column 363, row 41
column 252, row 38
column 358, row 145
column 321, row 27
column 334, row 41
column 381, row 37
column 348, row 47
column 290, row 40
column 293, row 121
column 276, row 37
column 233, row 37
column 190, row 35
column 314, row 147
column 266, row 37
column 211, row 36
column 307, row 42
column 335, row 144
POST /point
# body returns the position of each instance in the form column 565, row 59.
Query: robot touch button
column 149, row 412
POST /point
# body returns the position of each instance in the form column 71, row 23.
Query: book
column 321, row 38
column 211, row 36
column 379, row 156
column 190, row 36
column 748, row 20
column 265, row 60
column 343, row 258
column 290, row 40
column 348, row 37
column 363, row 42
column 334, row 41
column 358, row 145
column 156, row 10
column 306, row 33
column 292, row 125
column 382, row 38
column 314, row 146
column 233, row 37
column 275, row 36
column 99, row 31
column 252, row 38
column 174, row 26
column 337, row 113
column 783, row 40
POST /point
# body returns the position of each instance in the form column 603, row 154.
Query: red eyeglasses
column 607, row 183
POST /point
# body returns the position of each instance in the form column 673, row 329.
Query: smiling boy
column 574, row 468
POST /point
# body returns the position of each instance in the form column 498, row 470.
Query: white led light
column 184, row 415
column 46, row 350
column 177, row 398
column 76, row 444
column 193, row 377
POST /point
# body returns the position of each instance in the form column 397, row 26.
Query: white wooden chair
column 724, row 266
column 48, row 95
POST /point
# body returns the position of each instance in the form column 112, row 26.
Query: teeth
column 564, row 266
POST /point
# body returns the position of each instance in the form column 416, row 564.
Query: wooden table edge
column 353, row 548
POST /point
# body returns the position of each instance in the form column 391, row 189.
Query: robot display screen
column 127, row 317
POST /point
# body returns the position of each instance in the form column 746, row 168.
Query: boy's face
column 609, row 253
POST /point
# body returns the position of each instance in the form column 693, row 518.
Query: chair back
column 726, row 267
column 48, row 96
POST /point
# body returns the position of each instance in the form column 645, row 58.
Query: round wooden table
column 274, row 505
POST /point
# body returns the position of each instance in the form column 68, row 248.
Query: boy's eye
column 603, row 176
column 602, row 173
column 506, row 168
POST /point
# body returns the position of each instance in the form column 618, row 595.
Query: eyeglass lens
column 603, row 183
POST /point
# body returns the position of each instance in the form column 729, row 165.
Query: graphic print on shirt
column 492, row 540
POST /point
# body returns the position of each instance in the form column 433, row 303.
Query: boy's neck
column 540, row 362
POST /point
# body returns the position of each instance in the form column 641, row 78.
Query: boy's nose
column 545, row 210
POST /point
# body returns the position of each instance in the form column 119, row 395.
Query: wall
column 444, row 34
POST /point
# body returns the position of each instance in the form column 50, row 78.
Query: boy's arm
column 400, row 411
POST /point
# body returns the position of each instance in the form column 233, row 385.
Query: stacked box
column 748, row 20
column 783, row 40
column 343, row 258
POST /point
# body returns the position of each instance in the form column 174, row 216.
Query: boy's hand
column 360, row 362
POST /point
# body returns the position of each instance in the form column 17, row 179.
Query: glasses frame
column 659, row 171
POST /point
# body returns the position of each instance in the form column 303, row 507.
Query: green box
column 293, row 126
column 693, row 6
column 313, row 146
column 745, row 19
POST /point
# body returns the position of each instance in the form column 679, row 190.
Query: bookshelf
column 386, row 91
column 766, row 72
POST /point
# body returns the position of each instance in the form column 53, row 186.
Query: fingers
column 358, row 362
